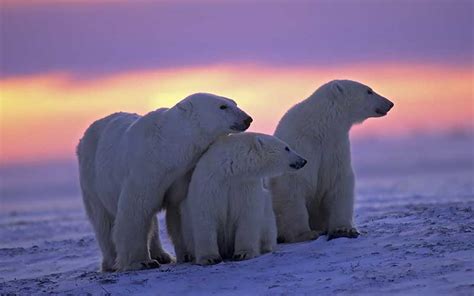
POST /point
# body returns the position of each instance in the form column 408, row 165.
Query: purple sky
column 90, row 38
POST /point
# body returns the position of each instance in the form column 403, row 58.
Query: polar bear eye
column 287, row 149
column 223, row 107
column 369, row 91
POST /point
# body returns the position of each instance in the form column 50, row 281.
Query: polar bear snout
column 384, row 106
column 248, row 121
column 243, row 125
column 301, row 162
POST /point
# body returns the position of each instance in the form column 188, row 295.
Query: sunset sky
column 67, row 63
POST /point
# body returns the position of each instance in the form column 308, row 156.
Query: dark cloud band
column 90, row 38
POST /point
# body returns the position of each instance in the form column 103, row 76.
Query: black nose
column 248, row 121
column 299, row 164
column 390, row 106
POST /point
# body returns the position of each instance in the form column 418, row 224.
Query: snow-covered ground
column 415, row 210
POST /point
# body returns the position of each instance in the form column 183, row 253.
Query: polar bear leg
column 340, row 204
column 187, row 234
column 156, row 249
column 131, row 232
column 247, row 235
column 173, row 225
column 206, row 248
column 268, row 242
column 269, row 237
column 293, row 222
column 318, row 216
column 269, row 230
column 102, row 222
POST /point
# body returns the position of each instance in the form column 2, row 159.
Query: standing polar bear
column 127, row 162
column 228, row 212
column 320, row 197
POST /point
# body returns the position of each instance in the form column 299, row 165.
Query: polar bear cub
column 127, row 162
column 228, row 212
column 320, row 197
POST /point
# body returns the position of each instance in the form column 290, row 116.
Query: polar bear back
column 109, row 144
column 99, row 150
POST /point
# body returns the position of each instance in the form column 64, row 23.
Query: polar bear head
column 275, row 156
column 252, row 155
column 214, row 115
column 358, row 100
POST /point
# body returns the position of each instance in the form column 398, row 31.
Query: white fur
column 228, row 212
column 173, row 198
column 127, row 162
column 320, row 197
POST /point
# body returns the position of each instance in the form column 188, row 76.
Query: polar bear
column 228, row 212
column 320, row 198
column 127, row 162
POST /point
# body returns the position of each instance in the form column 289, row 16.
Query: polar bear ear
column 337, row 87
column 185, row 106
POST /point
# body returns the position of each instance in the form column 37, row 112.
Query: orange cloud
column 42, row 117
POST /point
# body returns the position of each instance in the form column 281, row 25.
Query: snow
column 415, row 210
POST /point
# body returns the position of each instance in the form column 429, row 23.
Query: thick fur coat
column 228, row 213
column 320, row 197
column 128, row 162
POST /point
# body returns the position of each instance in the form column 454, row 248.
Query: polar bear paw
column 188, row 258
column 266, row 248
column 150, row 264
column 302, row 237
column 243, row 255
column 307, row 236
column 164, row 258
column 108, row 264
column 141, row 265
column 209, row 260
column 184, row 258
column 343, row 232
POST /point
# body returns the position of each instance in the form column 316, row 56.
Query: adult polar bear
column 320, row 197
column 127, row 162
column 228, row 212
